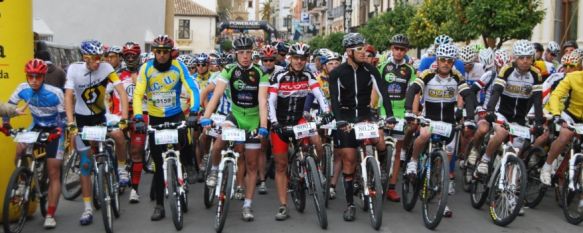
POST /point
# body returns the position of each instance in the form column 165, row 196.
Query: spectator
column 55, row 75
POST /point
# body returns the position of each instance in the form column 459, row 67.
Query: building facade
column 194, row 27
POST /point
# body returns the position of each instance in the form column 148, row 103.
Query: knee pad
column 86, row 164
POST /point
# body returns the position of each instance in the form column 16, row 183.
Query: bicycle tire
column 104, row 198
column 375, row 196
column 96, row 192
column 467, row 170
column 327, row 171
column 409, row 187
column 386, row 166
column 504, row 221
column 16, row 179
column 534, row 183
column 432, row 220
column 114, row 193
column 147, row 158
column 226, row 193
column 209, row 193
column 316, row 187
column 43, row 186
column 568, row 197
column 71, row 172
column 298, row 184
column 173, row 199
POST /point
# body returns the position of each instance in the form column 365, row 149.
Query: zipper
column 355, row 92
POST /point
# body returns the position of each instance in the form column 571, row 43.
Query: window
column 184, row 29
column 250, row 4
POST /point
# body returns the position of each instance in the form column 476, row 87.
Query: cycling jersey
column 516, row 92
column 287, row 95
column 544, row 68
column 163, row 89
column 397, row 78
column 475, row 74
column 483, row 87
column 571, row 86
column 440, row 95
column 202, row 80
column 431, row 63
column 47, row 105
column 224, row 106
column 90, row 87
column 128, row 84
column 350, row 91
column 244, row 83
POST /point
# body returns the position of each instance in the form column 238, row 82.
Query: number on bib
column 441, row 128
column 366, row 130
column 94, row 133
column 26, row 137
column 305, row 130
column 519, row 131
column 233, row 134
column 164, row 99
column 166, row 136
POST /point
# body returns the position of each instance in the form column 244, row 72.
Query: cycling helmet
column 328, row 56
column 467, row 54
column 91, row 47
column 442, row 39
column 131, row 48
column 430, row 52
column 371, row 49
column 447, row 50
column 163, row 42
column 282, row 47
column 570, row 43
column 351, row 40
column 538, row 47
column 214, row 59
column 523, row 48
column 181, row 57
column 501, row 57
column 268, row 51
column 113, row 49
column 201, row 58
column 554, row 48
column 299, row 49
column 243, row 43
column 255, row 55
column 486, row 57
column 400, row 40
column 36, row 66
column 571, row 59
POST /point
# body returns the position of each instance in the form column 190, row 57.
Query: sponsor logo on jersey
column 447, row 93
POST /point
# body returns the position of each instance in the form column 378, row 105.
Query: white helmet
column 468, row 55
column 554, row 48
column 487, row 58
column 523, row 48
column 442, row 39
column 501, row 57
column 447, row 50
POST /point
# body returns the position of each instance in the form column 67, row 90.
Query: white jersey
column 90, row 87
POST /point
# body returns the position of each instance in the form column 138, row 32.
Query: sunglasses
column 358, row 49
column 523, row 57
column 35, row 76
column 131, row 57
column 161, row 51
column 268, row 60
column 570, row 65
column 446, row 60
column 92, row 58
column 201, row 65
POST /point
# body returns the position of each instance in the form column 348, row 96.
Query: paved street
column 546, row 218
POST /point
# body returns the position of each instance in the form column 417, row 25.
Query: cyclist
column 565, row 112
column 429, row 62
column 351, row 85
column 287, row 94
column 551, row 53
column 47, row 108
column 569, row 46
column 86, row 85
column 474, row 70
column 545, row 68
column 161, row 80
column 214, row 63
column 256, row 57
column 201, row 77
column 248, row 95
column 398, row 75
column 113, row 57
column 441, row 90
column 282, row 49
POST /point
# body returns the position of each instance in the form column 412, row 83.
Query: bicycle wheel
column 96, row 192
column 147, row 157
column 114, row 194
column 317, row 192
column 409, row 187
column 43, row 186
column 375, row 193
column 386, row 167
column 226, row 193
column 15, row 209
column 327, row 171
column 173, row 195
column 298, row 186
column 572, row 198
column 535, row 189
column 505, row 203
column 70, row 177
column 104, row 188
column 434, row 191
column 467, row 170
column 209, row 192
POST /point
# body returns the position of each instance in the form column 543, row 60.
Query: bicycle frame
column 227, row 155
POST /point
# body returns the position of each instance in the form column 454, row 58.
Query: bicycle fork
column 364, row 157
column 220, row 177
column 179, row 175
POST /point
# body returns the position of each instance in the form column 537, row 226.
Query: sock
column 349, row 187
column 51, row 211
column 392, row 186
column 136, row 174
column 87, row 203
column 247, row 203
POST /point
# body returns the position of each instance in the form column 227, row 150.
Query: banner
column 16, row 48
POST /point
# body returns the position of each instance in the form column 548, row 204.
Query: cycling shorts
column 92, row 120
column 279, row 145
column 252, row 143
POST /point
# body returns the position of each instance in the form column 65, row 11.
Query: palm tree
column 266, row 10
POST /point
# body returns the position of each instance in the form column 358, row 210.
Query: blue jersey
column 428, row 62
column 46, row 105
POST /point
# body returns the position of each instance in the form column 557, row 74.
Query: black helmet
column 570, row 43
column 351, row 40
column 538, row 47
column 400, row 40
column 243, row 42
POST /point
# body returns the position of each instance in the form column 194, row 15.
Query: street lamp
column 347, row 4
column 377, row 3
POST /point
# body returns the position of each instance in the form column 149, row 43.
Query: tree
column 226, row 45
column 502, row 20
column 379, row 30
column 266, row 10
column 333, row 41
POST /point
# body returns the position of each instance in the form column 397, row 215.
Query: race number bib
column 579, row 128
column 26, row 137
column 94, row 133
column 305, row 130
column 164, row 99
column 218, row 118
column 400, row 126
column 233, row 134
column 441, row 128
column 519, row 131
column 166, row 136
column 366, row 130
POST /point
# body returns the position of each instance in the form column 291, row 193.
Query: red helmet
column 268, row 51
column 131, row 48
column 36, row 66
column 163, row 42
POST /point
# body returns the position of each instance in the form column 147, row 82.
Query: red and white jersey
column 128, row 84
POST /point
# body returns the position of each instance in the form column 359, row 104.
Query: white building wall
column 203, row 34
